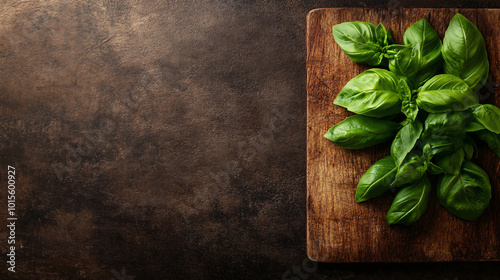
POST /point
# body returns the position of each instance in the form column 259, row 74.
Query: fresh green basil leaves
column 444, row 93
column 491, row 139
column 467, row 194
column 464, row 52
column 451, row 162
column 445, row 132
column 376, row 180
column 437, row 114
column 472, row 125
column 362, row 41
column 489, row 116
column 410, row 171
column 405, row 141
column 420, row 57
column 357, row 132
column 372, row 93
column 409, row 105
column 410, row 203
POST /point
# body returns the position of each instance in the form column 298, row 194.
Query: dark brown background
column 166, row 138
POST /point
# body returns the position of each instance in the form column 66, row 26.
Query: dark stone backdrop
column 166, row 140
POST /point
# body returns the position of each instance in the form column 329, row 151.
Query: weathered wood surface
column 339, row 229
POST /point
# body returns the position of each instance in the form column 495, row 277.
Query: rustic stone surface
column 165, row 140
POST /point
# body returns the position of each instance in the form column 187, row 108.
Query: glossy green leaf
column 357, row 132
column 433, row 168
column 444, row 144
column 445, row 132
column 376, row 180
column 390, row 38
column 464, row 52
column 489, row 116
column 450, row 163
column 472, row 125
column 469, row 147
column 427, row 153
column 491, row 139
column 410, row 109
column 382, row 36
column 420, row 57
column 445, row 93
column 405, row 92
column 412, row 169
column 405, row 140
column 467, row 194
column 404, row 60
column 423, row 33
column 410, row 203
column 409, row 105
column 361, row 41
column 449, row 123
column 372, row 93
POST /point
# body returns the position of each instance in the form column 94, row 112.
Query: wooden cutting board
column 339, row 229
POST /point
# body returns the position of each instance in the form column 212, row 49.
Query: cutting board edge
column 312, row 246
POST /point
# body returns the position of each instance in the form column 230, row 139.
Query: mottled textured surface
column 166, row 138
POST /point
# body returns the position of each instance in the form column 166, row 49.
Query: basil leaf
column 410, row 171
column 361, row 41
column 390, row 38
column 410, row 109
column 469, row 147
column 445, row 93
column 449, row 123
column 444, row 144
column 445, row 131
column 357, row 132
column 472, row 125
column 488, row 115
column 409, row 105
column 410, row 203
column 491, row 139
column 450, row 163
column 381, row 35
column 372, row 93
column 423, row 33
column 405, row 140
column 467, row 194
column 427, row 152
column 376, row 180
column 420, row 59
column 404, row 90
column 404, row 59
column 464, row 52
column 434, row 169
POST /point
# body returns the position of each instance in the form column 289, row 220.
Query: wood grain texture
column 339, row 229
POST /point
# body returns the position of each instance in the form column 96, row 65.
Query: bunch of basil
column 434, row 85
